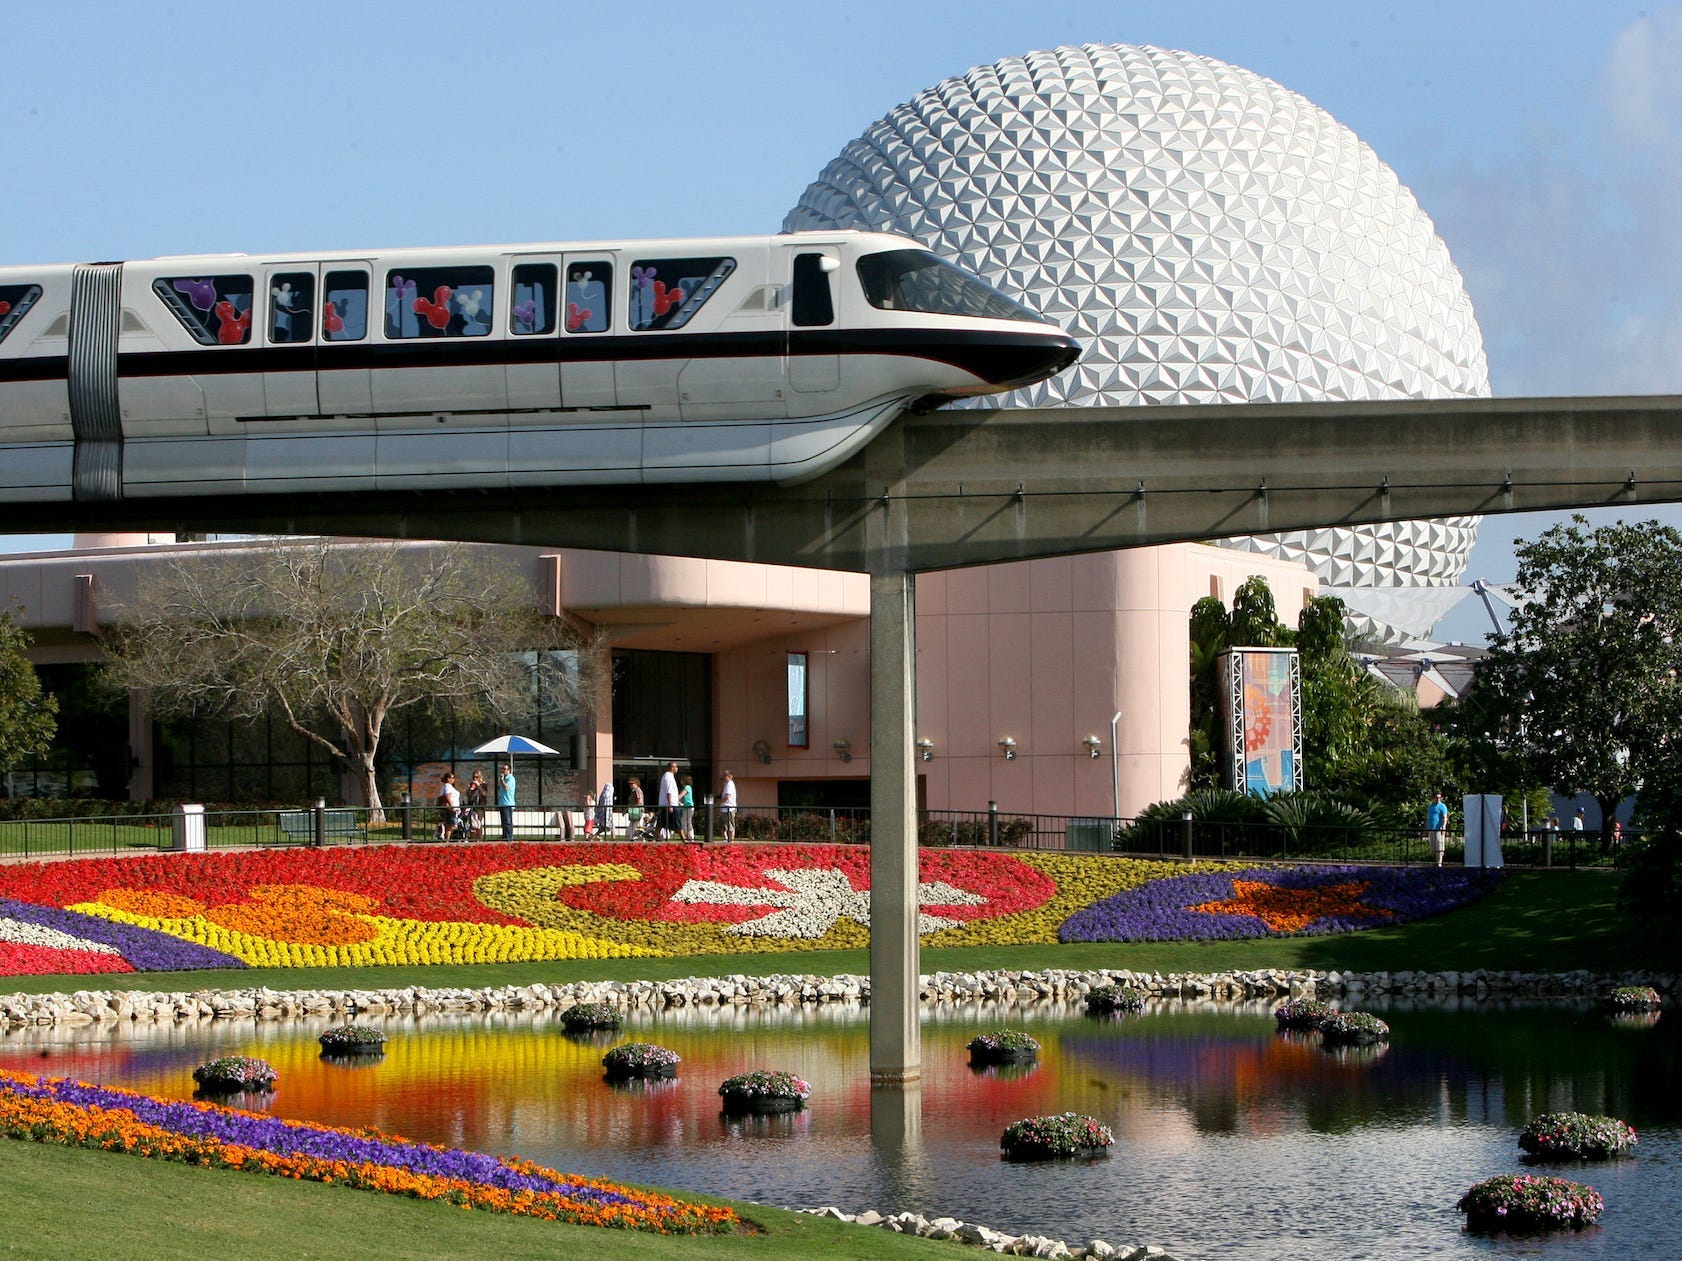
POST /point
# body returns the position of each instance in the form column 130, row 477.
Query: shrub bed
column 640, row 1060
column 1105, row 1000
column 1576, row 1136
column 1302, row 1013
column 1062, row 1136
column 1522, row 1203
column 1353, row 1028
column 1632, row 998
column 582, row 1017
column 352, row 1040
column 233, row 1073
column 1003, row 1046
column 764, row 1091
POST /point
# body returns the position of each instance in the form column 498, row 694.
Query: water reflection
column 1232, row 1139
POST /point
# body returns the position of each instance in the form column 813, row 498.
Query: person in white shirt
column 727, row 807
column 667, row 801
column 449, row 806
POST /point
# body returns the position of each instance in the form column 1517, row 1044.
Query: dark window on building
column 216, row 310
column 533, row 311
column 662, row 708
column 291, row 298
column 439, row 302
column 813, row 302
column 344, row 316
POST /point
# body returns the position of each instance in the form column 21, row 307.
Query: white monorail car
column 736, row 359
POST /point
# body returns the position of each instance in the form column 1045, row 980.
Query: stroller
column 469, row 825
column 646, row 828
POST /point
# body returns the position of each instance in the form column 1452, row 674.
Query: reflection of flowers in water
column 1004, row 1072
column 1633, row 1019
column 1353, row 1055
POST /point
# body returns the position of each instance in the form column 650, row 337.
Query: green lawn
column 1536, row 921
column 67, row 1204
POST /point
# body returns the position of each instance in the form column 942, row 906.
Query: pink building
column 1053, row 686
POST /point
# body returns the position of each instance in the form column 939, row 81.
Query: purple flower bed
column 272, row 1134
column 1161, row 910
column 145, row 949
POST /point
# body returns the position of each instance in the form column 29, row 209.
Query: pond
column 1231, row 1138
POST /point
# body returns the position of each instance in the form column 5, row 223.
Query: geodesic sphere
column 1209, row 236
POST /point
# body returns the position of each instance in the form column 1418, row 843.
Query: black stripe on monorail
column 999, row 358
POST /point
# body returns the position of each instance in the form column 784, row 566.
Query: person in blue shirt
column 1436, row 823
column 505, row 800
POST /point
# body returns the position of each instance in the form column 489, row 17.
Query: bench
column 299, row 825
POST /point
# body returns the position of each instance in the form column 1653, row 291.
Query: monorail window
column 216, row 310
column 344, row 315
column 534, row 299
column 813, row 302
column 667, row 292
column 589, row 295
column 440, row 302
column 291, row 298
column 15, row 301
column 916, row 280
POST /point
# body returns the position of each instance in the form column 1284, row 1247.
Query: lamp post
column 1115, row 770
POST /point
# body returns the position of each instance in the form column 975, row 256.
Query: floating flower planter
column 1107, row 1000
column 349, row 1040
column 1632, row 998
column 763, row 1092
column 640, row 1061
column 1065, row 1136
column 1302, row 1014
column 1525, row 1203
column 233, row 1074
column 1576, row 1136
column 1353, row 1028
column 589, row 1017
column 1005, row 1046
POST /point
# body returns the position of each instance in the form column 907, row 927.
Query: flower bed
column 1576, row 1136
column 497, row 903
column 764, row 1091
column 1353, row 1028
column 1522, row 1203
column 1063, row 1136
column 232, row 1073
column 640, row 1059
column 75, row 1114
column 1302, row 1013
column 1632, row 998
column 1003, row 1046
column 586, row 1017
column 352, row 1040
column 1106, row 1000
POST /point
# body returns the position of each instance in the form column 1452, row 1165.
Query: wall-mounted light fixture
column 762, row 751
column 844, row 749
column 925, row 749
column 1009, row 747
column 1093, row 744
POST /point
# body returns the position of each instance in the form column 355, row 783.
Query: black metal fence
column 191, row 828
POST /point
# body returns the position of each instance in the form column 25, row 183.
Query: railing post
column 1186, row 820
column 993, row 825
column 408, row 818
column 709, row 802
column 320, row 811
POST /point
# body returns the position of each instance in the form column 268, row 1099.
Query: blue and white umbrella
column 516, row 744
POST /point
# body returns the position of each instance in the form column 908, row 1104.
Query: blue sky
column 1544, row 139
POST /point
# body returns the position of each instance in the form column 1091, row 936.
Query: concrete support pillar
column 896, row 1039
column 599, row 735
column 140, row 750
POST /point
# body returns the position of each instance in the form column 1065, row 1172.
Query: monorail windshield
column 916, row 280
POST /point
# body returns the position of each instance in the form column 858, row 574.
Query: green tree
column 1585, row 691
column 28, row 716
column 337, row 638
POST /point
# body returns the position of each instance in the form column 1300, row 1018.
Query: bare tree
column 337, row 637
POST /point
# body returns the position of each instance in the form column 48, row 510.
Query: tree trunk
column 371, row 791
column 1608, row 812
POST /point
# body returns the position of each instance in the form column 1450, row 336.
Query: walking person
column 686, row 810
column 1436, row 825
column 727, row 807
column 667, row 801
column 604, row 811
column 633, row 808
column 449, row 806
column 478, row 795
column 505, row 800
column 589, row 813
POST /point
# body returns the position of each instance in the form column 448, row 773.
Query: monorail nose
column 1034, row 359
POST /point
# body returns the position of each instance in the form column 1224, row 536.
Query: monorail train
column 767, row 358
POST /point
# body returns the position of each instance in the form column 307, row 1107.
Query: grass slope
column 1537, row 921
column 68, row 1204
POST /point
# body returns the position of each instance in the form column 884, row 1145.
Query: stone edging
column 109, row 1006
